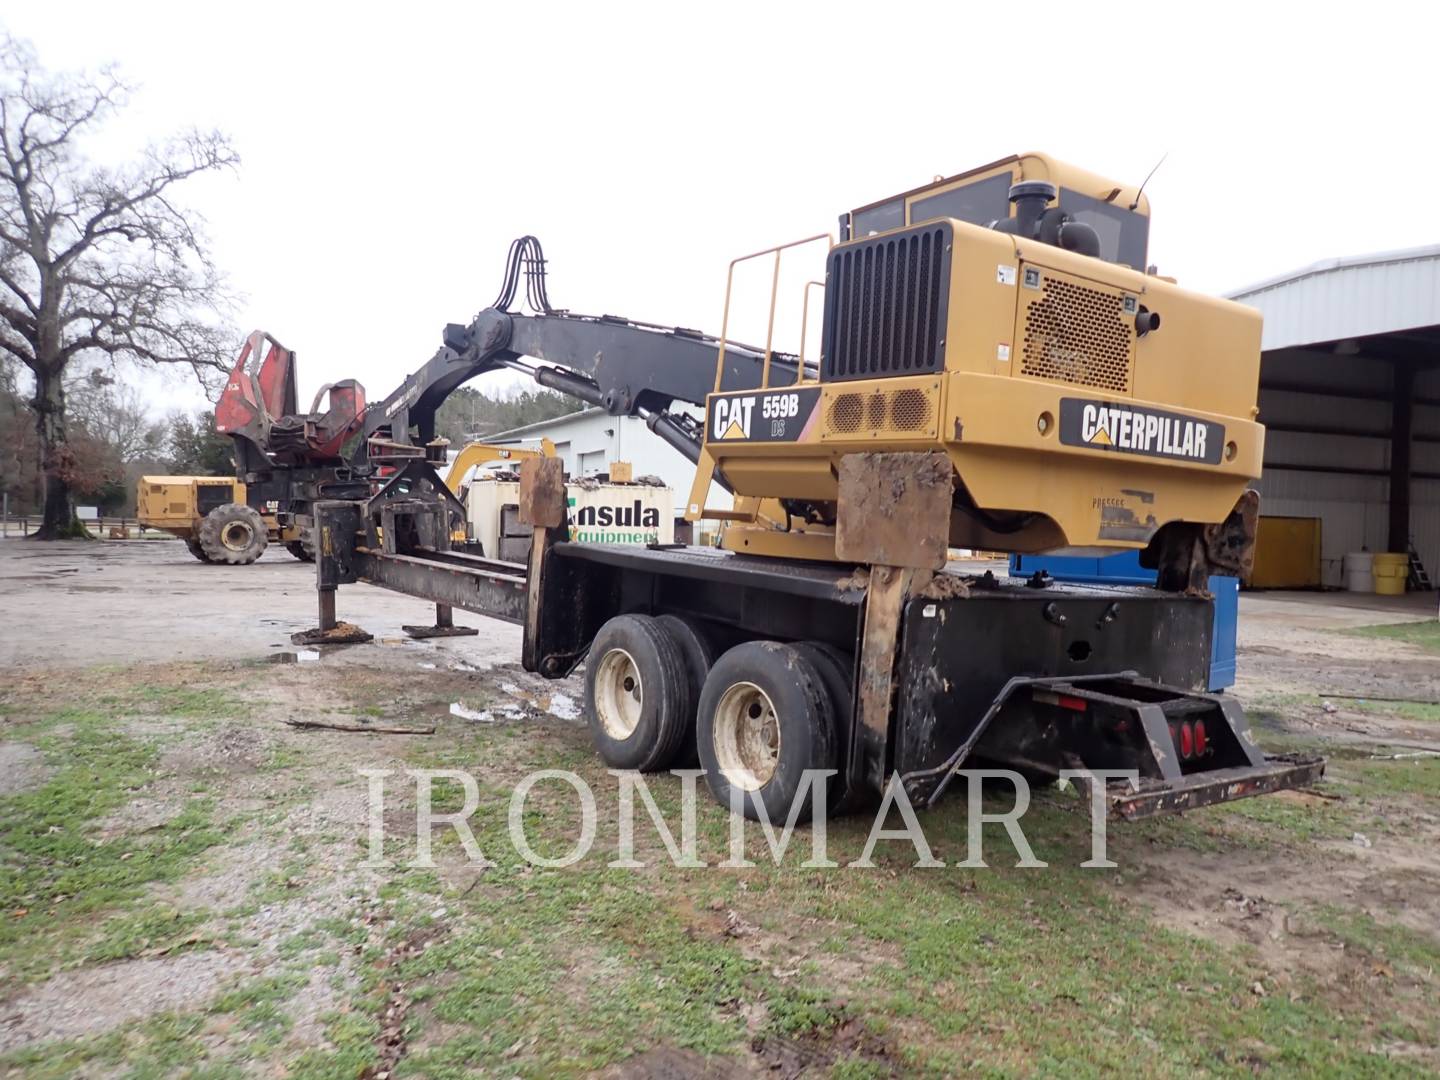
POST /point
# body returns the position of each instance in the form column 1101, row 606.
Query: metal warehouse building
column 1350, row 398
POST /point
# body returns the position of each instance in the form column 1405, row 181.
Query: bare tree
column 113, row 413
column 95, row 261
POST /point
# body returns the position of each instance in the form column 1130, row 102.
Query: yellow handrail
column 804, row 328
column 774, row 294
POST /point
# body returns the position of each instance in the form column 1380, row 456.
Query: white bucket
column 1360, row 572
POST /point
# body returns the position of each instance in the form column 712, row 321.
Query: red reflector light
column 1061, row 701
column 1200, row 741
column 1187, row 741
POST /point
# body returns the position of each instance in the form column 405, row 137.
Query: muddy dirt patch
column 1271, row 901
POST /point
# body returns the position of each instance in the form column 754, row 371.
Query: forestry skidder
column 211, row 515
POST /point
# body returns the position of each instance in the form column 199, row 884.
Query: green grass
column 1425, row 634
column 256, row 1015
column 59, row 875
column 537, row 972
column 149, row 931
column 998, row 971
column 1398, row 944
column 190, row 702
column 1423, row 711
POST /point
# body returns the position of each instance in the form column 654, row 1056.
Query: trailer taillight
column 1189, row 740
column 1063, row 701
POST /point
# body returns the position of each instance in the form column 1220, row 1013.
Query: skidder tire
column 637, row 694
column 192, row 545
column 765, row 717
column 233, row 534
column 699, row 656
column 303, row 548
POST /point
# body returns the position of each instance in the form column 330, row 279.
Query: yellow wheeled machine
column 211, row 515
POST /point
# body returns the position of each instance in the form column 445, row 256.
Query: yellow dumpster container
column 1390, row 573
column 1287, row 554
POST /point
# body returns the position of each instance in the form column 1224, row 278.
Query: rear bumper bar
column 1155, row 797
column 1122, row 723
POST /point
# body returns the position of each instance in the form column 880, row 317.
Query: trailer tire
column 699, row 656
column 637, row 694
column 233, row 534
column 835, row 670
column 192, row 545
column 765, row 718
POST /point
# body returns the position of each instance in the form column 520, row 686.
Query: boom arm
column 626, row 367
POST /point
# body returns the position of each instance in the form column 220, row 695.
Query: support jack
column 330, row 632
column 444, row 626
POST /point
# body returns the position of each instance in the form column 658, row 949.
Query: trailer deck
column 1035, row 675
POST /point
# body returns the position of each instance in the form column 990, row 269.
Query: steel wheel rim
column 235, row 536
column 746, row 736
column 619, row 694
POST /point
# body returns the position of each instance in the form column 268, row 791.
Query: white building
column 589, row 440
column 1350, row 400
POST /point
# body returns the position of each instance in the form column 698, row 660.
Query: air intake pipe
column 1036, row 219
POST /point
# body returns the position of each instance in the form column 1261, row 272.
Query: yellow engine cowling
column 1071, row 424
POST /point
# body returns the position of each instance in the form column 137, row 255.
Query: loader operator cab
column 1119, row 216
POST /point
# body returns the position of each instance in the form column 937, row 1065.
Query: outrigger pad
column 542, row 492
column 342, row 633
column 894, row 509
column 439, row 631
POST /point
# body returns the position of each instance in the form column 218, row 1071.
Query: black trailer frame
column 1036, row 676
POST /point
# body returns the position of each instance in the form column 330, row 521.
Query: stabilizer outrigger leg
column 444, row 626
column 330, row 631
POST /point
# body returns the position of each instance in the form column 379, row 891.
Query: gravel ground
column 144, row 624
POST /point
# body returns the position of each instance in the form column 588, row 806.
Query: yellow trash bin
column 1390, row 573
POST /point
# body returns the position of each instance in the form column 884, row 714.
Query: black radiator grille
column 885, row 304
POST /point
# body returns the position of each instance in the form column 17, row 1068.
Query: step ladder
column 1418, row 580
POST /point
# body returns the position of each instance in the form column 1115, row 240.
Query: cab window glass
column 979, row 203
column 876, row 219
column 1124, row 234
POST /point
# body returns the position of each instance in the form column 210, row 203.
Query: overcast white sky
column 392, row 151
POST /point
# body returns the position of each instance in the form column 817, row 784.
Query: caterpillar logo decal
column 1130, row 429
column 762, row 415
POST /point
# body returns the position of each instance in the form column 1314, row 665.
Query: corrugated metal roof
column 542, row 425
column 1348, row 298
